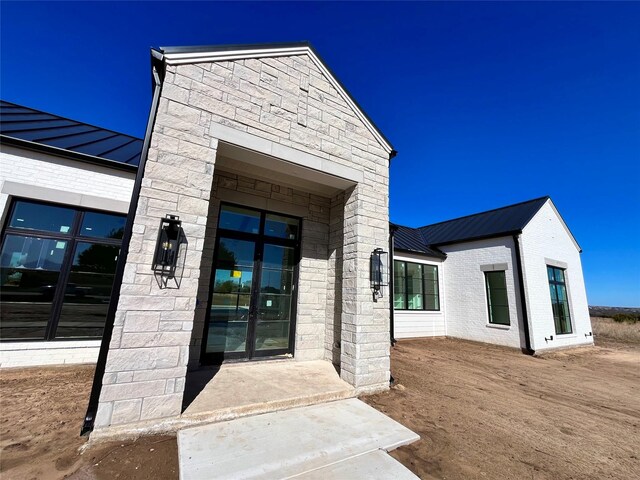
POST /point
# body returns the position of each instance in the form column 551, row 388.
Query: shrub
column 626, row 317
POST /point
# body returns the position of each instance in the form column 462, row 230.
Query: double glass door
column 252, row 302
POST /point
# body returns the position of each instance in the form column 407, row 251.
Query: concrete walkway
column 343, row 440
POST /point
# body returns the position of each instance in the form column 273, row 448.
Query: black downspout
column 94, row 399
column 523, row 298
column 392, row 335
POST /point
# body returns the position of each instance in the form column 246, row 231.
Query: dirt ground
column 488, row 412
column 482, row 411
column 41, row 412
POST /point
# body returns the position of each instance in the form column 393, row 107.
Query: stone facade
column 289, row 102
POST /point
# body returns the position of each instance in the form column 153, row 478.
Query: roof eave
column 479, row 237
column 61, row 152
column 441, row 255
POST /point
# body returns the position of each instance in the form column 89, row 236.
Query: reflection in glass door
column 274, row 300
column 252, row 303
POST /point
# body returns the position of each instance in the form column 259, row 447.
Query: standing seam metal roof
column 493, row 223
column 37, row 128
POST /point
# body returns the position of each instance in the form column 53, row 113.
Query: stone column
column 147, row 362
column 364, row 358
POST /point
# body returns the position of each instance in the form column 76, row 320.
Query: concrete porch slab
column 242, row 389
column 289, row 443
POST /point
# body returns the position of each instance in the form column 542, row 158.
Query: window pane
column 29, row 270
column 88, row 291
column 497, row 297
column 399, row 298
column 559, row 300
column 278, row 257
column 239, row 219
column 414, row 287
column 102, row 225
column 36, row 216
column 281, row 227
column 431, row 287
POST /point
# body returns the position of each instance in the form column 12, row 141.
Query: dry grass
column 607, row 329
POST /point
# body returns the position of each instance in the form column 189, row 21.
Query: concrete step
column 378, row 465
column 240, row 390
column 284, row 444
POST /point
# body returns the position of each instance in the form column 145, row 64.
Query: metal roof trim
column 197, row 54
column 70, row 154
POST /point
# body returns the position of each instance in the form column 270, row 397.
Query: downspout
column 96, row 388
column 523, row 297
column 392, row 335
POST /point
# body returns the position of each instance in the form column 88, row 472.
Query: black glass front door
column 252, row 302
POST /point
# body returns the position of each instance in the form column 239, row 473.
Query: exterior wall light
column 379, row 272
column 170, row 253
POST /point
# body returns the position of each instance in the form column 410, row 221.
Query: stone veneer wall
column 285, row 100
column 312, row 281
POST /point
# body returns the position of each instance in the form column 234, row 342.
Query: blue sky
column 487, row 103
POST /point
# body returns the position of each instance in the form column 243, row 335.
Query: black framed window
column 415, row 286
column 559, row 300
column 57, row 266
column 497, row 298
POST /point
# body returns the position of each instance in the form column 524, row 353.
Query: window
column 415, row 286
column 497, row 301
column 559, row 300
column 57, row 266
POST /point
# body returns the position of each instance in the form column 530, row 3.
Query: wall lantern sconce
column 170, row 253
column 379, row 272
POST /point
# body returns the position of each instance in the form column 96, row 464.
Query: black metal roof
column 410, row 240
column 493, row 223
column 37, row 130
column 499, row 222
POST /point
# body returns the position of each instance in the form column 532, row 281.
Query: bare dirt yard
column 488, row 412
column 482, row 411
column 41, row 412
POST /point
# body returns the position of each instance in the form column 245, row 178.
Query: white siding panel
column 410, row 324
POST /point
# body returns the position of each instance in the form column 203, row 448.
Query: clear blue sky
column 487, row 103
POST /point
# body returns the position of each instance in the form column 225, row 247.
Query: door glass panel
column 281, row 226
column 29, row 270
column 239, row 219
column 231, row 298
column 274, row 300
column 88, row 290
column 102, row 225
column 36, row 216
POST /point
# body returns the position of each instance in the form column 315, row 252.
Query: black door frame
column 259, row 239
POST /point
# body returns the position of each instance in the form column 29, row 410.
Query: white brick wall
column 30, row 354
column 46, row 177
column 66, row 176
column 420, row 323
column 465, row 293
column 546, row 240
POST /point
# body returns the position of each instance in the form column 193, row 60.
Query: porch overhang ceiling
column 202, row 54
column 242, row 161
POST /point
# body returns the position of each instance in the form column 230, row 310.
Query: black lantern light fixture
column 171, row 250
column 379, row 272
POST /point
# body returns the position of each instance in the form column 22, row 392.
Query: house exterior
column 63, row 185
column 510, row 276
column 274, row 184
